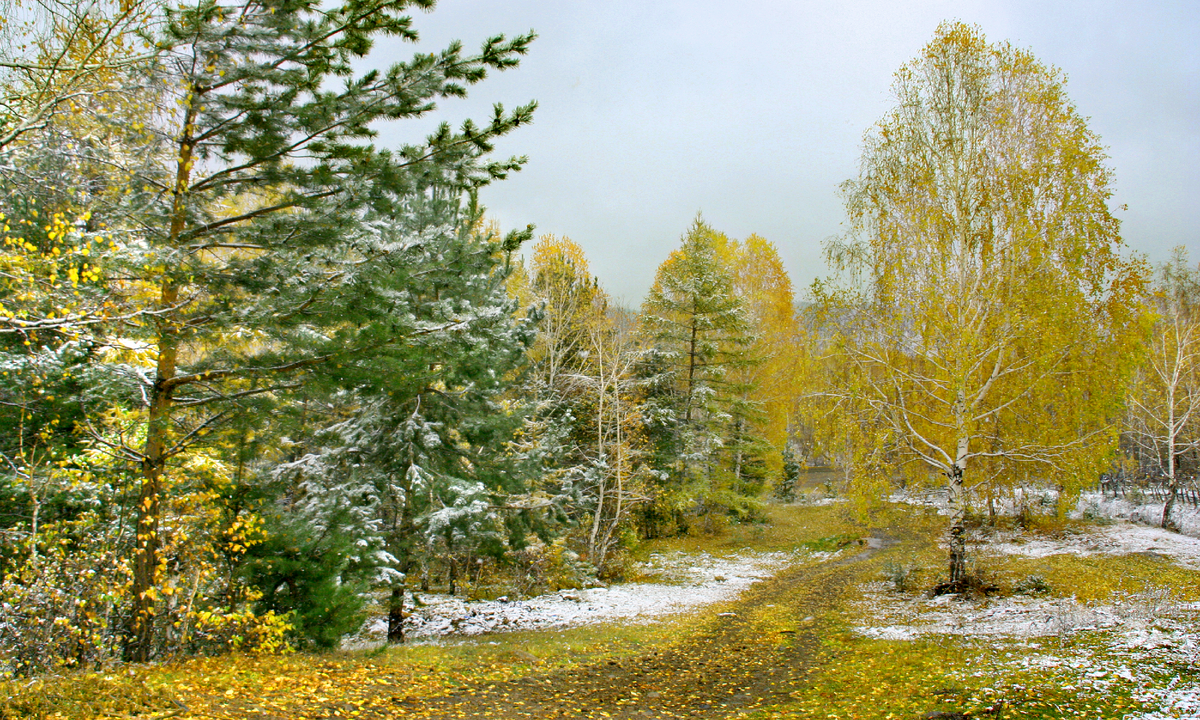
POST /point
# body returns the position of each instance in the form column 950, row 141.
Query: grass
column 786, row 528
column 374, row 683
column 865, row 678
column 853, row 676
column 1003, row 678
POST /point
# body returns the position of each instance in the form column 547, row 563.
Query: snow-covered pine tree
column 248, row 243
column 420, row 460
column 697, row 325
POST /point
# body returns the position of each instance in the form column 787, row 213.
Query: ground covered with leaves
column 845, row 632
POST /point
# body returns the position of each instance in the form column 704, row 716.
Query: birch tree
column 59, row 57
column 984, row 304
column 583, row 363
column 1165, row 401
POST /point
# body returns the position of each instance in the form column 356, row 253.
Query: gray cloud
column 652, row 111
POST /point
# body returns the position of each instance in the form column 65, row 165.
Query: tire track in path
column 753, row 655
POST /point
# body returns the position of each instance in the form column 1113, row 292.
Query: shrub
column 1032, row 585
column 902, row 576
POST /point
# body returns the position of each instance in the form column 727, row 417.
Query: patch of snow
column 894, row 616
column 1147, row 635
column 1091, row 504
column 1094, row 504
column 1119, row 539
column 685, row 581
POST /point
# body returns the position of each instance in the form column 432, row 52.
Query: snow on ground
column 1119, row 539
column 1091, row 504
column 685, row 581
column 1094, row 504
column 1141, row 619
column 1147, row 633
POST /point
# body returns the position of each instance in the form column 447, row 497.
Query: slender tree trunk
column 33, row 526
column 737, row 457
column 145, row 554
column 403, row 534
column 140, row 640
column 395, row 632
column 958, row 546
column 594, row 552
column 452, row 570
column 1172, row 489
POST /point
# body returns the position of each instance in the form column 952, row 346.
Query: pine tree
column 249, row 235
column 415, row 460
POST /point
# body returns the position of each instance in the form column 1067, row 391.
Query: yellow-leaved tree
column 985, row 313
column 583, row 366
column 769, row 383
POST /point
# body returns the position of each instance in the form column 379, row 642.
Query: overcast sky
column 650, row 112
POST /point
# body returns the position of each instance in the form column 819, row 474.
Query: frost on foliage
column 468, row 514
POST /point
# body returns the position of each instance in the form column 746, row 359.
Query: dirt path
column 747, row 657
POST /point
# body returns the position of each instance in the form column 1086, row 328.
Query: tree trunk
column 1172, row 493
column 140, row 640
column 594, row 553
column 395, row 632
column 452, row 571
column 145, row 554
column 958, row 512
column 737, row 457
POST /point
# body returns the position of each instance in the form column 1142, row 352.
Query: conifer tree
column 416, row 459
column 697, row 325
column 248, row 240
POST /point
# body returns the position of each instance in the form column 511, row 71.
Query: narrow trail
column 753, row 655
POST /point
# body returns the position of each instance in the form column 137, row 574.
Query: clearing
column 811, row 615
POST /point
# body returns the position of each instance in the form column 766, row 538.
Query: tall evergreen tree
column 419, row 457
column 247, row 240
column 696, row 322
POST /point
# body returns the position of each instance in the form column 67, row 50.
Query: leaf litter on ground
column 1143, row 642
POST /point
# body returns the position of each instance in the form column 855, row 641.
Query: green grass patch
column 1095, row 577
column 786, row 528
column 832, row 543
column 860, row 677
